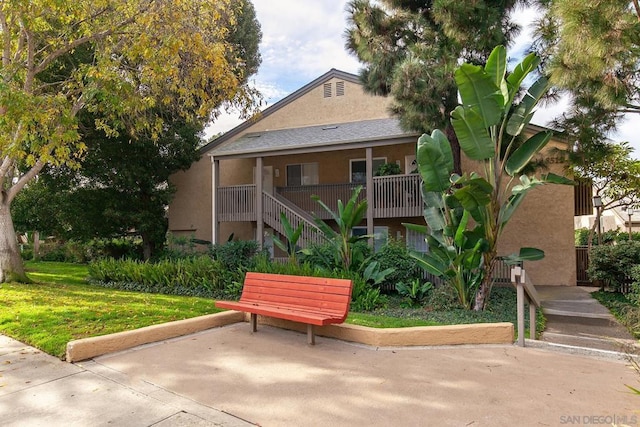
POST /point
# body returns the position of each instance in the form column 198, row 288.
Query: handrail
column 525, row 291
column 271, row 216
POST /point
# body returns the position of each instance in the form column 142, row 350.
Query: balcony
column 396, row 196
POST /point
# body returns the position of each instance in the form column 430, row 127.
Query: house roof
column 340, row 136
column 332, row 73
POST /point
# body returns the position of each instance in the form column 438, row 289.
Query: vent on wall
column 327, row 90
column 339, row 88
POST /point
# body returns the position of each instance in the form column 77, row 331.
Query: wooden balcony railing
column 236, row 203
column 397, row 196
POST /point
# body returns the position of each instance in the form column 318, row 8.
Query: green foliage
column 608, row 237
column 197, row 276
column 387, row 169
column 625, row 309
column 364, row 297
column 394, row 254
column 414, row 292
column 466, row 214
column 346, row 217
column 292, row 236
column 613, row 263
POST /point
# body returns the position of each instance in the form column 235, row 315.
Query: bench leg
column 311, row 338
column 254, row 322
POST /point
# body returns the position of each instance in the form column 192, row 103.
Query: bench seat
column 311, row 300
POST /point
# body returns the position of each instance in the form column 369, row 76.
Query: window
column 416, row 241
column 358, row 171
column 339, row 88
column 302, row 174
column 380, row 235
column 327, row 90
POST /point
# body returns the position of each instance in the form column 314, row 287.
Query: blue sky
column 304, row 39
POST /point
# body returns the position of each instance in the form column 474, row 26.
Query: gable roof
column 341, row 136
column 332, row 73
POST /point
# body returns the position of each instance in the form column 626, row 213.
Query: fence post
column 517, row 278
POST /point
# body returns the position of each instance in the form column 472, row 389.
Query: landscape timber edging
column 479, row 333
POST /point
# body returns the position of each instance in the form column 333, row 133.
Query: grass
column 627, row 313
column 60, row 306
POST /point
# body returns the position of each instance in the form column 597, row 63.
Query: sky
column 301, row 40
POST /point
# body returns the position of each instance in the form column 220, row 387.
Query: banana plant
column 292, row 236
column 346, row 217
column 489, row 125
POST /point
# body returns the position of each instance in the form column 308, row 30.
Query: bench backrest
column 315, row 294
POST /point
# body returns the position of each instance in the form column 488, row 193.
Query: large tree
column 143, row 55
column 591, row 52
column 410, row 49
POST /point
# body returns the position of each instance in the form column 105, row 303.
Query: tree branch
column 4, row 169
column 15, row 189
column 92, row 37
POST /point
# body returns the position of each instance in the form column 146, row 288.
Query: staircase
column 273, row 205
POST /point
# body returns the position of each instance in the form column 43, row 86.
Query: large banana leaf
column 435, row 161
column 523, row 154
column 479, row 93
column 472, row 133
column 473, row 193
column 496, row 68
column 430, row 263
column 524, row 111
column 552, row 178
column 526, row 254
column 517, row 76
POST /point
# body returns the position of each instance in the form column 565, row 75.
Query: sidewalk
column 272, row 378
column 575, row 318
column 37, row 389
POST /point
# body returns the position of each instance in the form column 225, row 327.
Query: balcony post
column 259, row 207
column 215, row 183
column 370, row 194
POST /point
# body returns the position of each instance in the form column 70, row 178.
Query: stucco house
column 325, row 139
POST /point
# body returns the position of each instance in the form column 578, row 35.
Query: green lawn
column 60, row 306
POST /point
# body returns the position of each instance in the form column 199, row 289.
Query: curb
column 87, row 348
column 480, row 333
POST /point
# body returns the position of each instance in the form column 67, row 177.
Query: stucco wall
column 190, row 211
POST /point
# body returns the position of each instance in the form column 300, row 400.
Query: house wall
column 544, row 220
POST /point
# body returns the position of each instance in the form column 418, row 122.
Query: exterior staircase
column 274, row 204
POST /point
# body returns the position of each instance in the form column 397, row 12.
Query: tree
column 123, row 186
column 591, row 52
column 466, row 214
column 410, row 49
column 615, row 177
column 139, row 55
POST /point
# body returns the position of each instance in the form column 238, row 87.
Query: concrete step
column 628, row 346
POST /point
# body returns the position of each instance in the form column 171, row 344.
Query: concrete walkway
column 575, row 318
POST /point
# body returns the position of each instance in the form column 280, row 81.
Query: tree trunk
column 455, row 148
column 11, row 267
column 485, row 287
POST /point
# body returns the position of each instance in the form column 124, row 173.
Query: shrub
column 197, row 276
column 442, row 298
column 414, row 293
column 613, row 263
column 394, row 254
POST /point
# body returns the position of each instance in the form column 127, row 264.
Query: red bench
column 311, row 300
